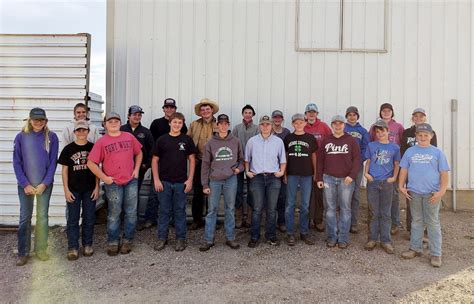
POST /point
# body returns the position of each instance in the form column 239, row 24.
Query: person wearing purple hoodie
column 395, row 132
column 337, row 168
column 361, row 136
column 35, row 153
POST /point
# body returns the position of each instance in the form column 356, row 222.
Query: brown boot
column 238, row 218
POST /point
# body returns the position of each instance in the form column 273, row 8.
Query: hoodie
column 361, row 136
column 395, row 131
column 221, row 156
column 319, row 130
column 68, row 134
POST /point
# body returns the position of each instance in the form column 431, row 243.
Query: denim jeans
column 172, row 199
column 424, row 214
column 305, row 183
column 88, row 219
column 228, row 187
column 151, row 213
column 379, row 196
column 395, row 206
column 197, row 207
column 265, row 190
column 337, row 194
column 240, row 198
column 24, row 227
column 121, row 197
column 316, row 205
column 355, row 202
column 281, row 204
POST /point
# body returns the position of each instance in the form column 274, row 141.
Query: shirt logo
column 355, row 134
column 141, row 135
column 422, row 158
column 382, row 157
column 333, row 149
column 182, row 146
column 223, row 153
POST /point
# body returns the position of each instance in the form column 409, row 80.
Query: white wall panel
column 243, row 51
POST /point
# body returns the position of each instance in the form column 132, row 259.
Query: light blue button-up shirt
column 265, row 155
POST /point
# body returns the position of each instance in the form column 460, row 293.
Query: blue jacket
column 361, row 136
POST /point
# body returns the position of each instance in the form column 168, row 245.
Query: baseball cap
column 223, row 117
column 354, row 110
column 112, row 115
column 338, row 118
column 249, row 107
column 419, row 110
column 81, row 124
column 424, row 127
column 381, row 124
column 297, row 116
column 311, row 107
column 169, row 102
column 265, row 119
column 37, row 113
column 135, row 109
column 277, row 113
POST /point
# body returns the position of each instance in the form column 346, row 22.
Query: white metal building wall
column 239, row 52
column 48, row 71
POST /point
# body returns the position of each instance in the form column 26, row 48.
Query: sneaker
column 388, row 248
column 72, row 255
column 394, row 230
column 252, row 244
column 342, row 245
column 291, row 240
column 306, row 239
column 330, row 244
column 112, row 250
column 160, row 245
column 273, row 242
column 180, row 245
column 410, row 254
column 354, row 230
column 436, row 261
column 126, row 248
column 22, row 260
column 88, row 251
column 42, row 256
column 370, row 245
column 319, row 227
column 232, row 244
column 206, row 247
column 282, row 228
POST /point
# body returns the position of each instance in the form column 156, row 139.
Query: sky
column 61, row 17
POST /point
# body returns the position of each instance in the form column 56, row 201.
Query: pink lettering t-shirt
column 116, row 155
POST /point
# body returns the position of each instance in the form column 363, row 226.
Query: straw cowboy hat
column 205, row 101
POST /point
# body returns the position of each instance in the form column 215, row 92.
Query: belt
column 266, row 173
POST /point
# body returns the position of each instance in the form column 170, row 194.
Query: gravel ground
column 265, row 274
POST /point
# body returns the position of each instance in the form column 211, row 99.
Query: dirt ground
column 265, row 274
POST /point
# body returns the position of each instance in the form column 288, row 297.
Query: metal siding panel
column 238, row 61
column 187, row 52
column 200, row 57
column 265, row 56
column 48, row 40
column 277, row 92
column 424, row 61
column 343, row 84
column 225, row 58
column 290, row 61
column 411, row 63
column 212, row 50
column 133, row 54
column 173, row 60
column 159, row 55
column 251, row 57
column 120, row 57
column 471, row 154
column 328, row 106
column 354, row 21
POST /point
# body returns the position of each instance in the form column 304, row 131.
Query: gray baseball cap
column 381, row 124
column 419, row 110
column 424, row 127
column 81, row 124
column 338, row 118
column 112, row 115
column 297, row 116
column 265, row 119
column 311, row 107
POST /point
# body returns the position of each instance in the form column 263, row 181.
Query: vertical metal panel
column 242, row 52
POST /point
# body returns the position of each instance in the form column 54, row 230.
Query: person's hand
column 70, row 198
column 188, row 185
column 95, row 194
column 285, row 179
column 136, row 173
column 29, row 190
column 391, row 180
column 369, row 177
column 436, row 197
column 403, row 190
column 279, row 173
column 250, row 174
column 40, row 189
column 206, row 190
column 158, row 186
column 108, row 180
column 236, row 171
column 348, row 180
column 320, row 185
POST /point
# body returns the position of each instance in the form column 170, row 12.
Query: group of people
column 325, row 162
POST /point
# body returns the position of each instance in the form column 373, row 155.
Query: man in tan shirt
column 201, row 130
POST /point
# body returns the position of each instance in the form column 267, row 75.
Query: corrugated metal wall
column 239, row 52
column 49, row 71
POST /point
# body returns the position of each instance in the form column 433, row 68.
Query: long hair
column 27, row 128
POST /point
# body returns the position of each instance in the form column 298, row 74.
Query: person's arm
column 184, row 129
column 96, row 193
column 156, row 177
column 314, row 161
column 402, row 178
column 248, row 159
column 99, row 173
column 356, row 162
column 366, row 171
column 18, row 166
column 67, row 193
column 443, row 185
column 206, row 168
column 240, row 160
column 192, row 164
column 53, row 157
column 434, row 140
column 138, row 163
column 282, row 160
column 396, row 168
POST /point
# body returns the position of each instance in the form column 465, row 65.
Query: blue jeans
column 172, row 199
column 337, row 194
column 305, row 183
column 281, row 204
column 121, row 197
column 240, row 198
column 395, row 206
column 228, row 187
column 265, row 191
column 24, row 227
column 88, row 219
column 355, row 202
column 151, row 213
column 379, row 196
column 424, row 214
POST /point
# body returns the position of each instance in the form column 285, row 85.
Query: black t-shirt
column 74, row 156
column 299, row 149
column 173, row 152
column 161, row 126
